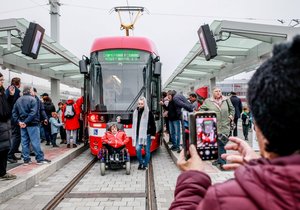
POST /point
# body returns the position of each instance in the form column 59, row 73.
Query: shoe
column 27, row 162
column 32, row 154
column 10, row 160
column 246, row 139
column 140, row 167
column 111, row 158
column 8, row 176
column 174, row 149
column 74, row 145
column 47, row 144
column 62, row 141
column 68, row 146
column 117, row 157
column 55, row 145
column 179, row 150
column 215, row 163
column 145, row 167
column 40, row 162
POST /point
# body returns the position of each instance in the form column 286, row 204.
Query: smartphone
column 185, row 133
column 203, row 134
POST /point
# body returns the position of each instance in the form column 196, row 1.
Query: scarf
column 142, row 138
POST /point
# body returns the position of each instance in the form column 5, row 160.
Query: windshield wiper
column 136, row 98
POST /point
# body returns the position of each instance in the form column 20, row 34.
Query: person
column 5, row 115
column 71, row 123
column 49, row 108
column 26, row 114
column 115, row 140
column 62, row 131
column 237, row 103
column 225, row 113
column 193, row 101
column 14, row 89
column 41, row 110
column 55, row 125
column 143, row 130
column 245, row 122
column 267, row 182
column 165, row 102
column 176, row 103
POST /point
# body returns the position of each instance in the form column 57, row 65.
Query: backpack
column 69, row 111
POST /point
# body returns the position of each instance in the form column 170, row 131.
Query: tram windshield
column 117, row 77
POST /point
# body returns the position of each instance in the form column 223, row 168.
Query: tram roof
column 54, row 61
column 244, row 46
column 124, row 42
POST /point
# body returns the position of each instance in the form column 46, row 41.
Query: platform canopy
column 241, row 47
column 53, row 61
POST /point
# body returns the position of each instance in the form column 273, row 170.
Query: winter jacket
column 151, row 129
column 236, row 102
column 5, row 114
column 223, row 113
column 26, row 110
column 176, row 104
column 55, row 125
column 41, row 109
column 15, row 97
column 116, row 141
column 49, row 108
column 73, row 123
column 261, row 184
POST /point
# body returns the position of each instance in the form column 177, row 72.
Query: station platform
column 30, row 175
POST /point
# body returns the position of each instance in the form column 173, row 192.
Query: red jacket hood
column 272, row 184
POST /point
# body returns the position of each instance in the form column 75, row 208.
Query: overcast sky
column 171, row 24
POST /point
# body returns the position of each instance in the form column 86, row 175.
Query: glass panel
column 116, row 78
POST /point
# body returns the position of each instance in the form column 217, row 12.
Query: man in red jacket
column 272, row 181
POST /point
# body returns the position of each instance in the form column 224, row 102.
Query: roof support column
column 212, row 84
column 55, row 91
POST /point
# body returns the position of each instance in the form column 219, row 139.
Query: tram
column 118, row 72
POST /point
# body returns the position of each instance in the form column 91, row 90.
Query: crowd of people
column 27, row 121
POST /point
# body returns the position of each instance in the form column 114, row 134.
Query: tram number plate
column 96, row 132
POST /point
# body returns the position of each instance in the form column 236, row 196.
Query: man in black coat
column 237, row 103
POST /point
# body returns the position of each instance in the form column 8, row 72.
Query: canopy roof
column 53, row 61
column 241, row 47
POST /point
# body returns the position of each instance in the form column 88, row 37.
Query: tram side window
column 154, row 95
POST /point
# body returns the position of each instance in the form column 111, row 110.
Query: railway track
column 66, row 192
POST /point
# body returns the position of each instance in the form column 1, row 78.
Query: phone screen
column 206, row 136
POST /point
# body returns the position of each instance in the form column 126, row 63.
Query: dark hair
column 274, row 99
column 15, row 81
column 164, row 94
column 60, row 103
column 47, row 99
column 1, row 75
column 193, row 95
column 172, row 93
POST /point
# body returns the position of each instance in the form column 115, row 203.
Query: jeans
column 31, row 134
column 175, row 132
column 15, row 140
column 138, row 148
column 71, row 133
